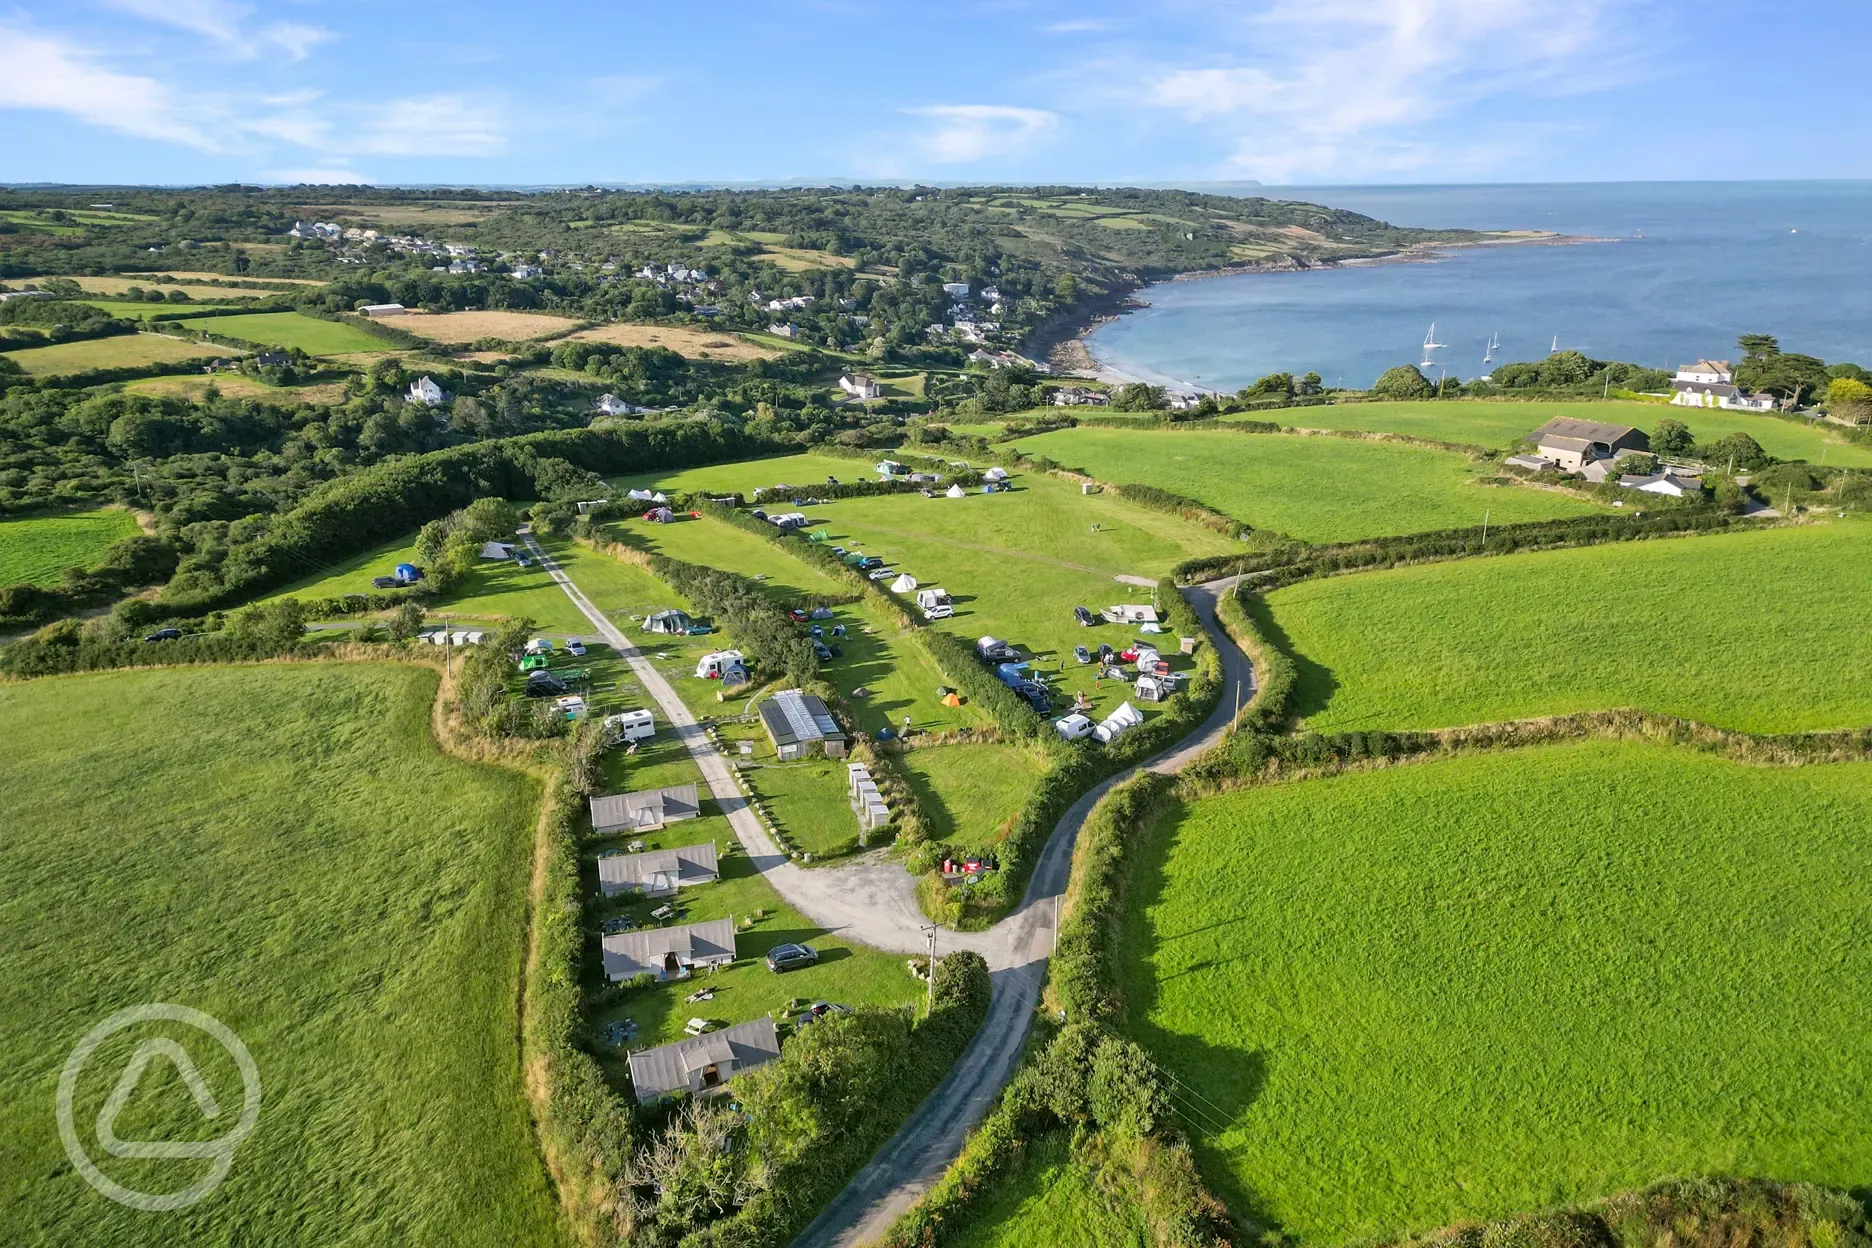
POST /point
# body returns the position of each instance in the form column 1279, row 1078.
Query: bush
column 1402, row 382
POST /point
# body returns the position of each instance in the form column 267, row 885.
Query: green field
column 116, row 351
column 753, row 474
column 806, row 799
column 1510, row 981
column 1052, row 1200
column 291, row 329
column 1502, row 424
column 284, row 848
column 1754, row 631
column 36, row 549
column 968, row 791
column 1313, row 488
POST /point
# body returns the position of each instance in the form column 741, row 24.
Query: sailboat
column 1555, row 349
column 1494, row 345
column 1429, row 344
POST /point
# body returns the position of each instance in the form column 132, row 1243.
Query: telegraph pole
column 931, row 1009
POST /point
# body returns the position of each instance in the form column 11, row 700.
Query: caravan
column 935, row 603
column 629, row 726
column 718, row 663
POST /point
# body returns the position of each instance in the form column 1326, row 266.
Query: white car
column 942, row 611
column 575, row 648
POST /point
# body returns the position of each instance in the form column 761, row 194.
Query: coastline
column 1066, row 345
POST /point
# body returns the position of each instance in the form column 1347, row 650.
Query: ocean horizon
column 1684, row 269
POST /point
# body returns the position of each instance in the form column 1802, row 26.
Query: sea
column 1685, row 268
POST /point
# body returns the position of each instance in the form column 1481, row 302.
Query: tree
column 1735, row 453
column 1850, row 400
column 405, row 621
column 1277, row 385
column 1402, row 382
column 1672, row 438
column 1758, row 347
column 1784, row 374
column 1309, row 384
column 1126, row 1090
column 1139, row 397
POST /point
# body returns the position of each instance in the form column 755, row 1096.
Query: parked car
column 523, row 561
column 840, row 551
column 942, row 611
column 544, row 684
column 1105, row 654
column 164, row 634
column 818, row 1010
column 575, row 648
column 1084, row 616
column 783, row 958
column 870, row 561
column 881, row 574
column 823, row 651
column 384, row 582
column 1081, row 654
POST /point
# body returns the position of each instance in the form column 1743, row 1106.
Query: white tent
column 956, row 491
column 1121, row 720
column 995, row 474
column 641, row 496
column 904, row 584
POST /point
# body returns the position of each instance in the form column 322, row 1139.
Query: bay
column 1694, row 264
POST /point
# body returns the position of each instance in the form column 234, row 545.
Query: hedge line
column 1178, row 505
column 39, row 657
column 1287, row 563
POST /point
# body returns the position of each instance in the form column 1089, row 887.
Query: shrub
column 1402, row 382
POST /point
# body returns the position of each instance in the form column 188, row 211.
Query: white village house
column 426, row 392
column 1711, row 383
column 860, row 385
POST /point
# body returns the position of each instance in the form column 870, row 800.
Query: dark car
column 823, row 651
column 1081, row 654
column 782, row 958
column 818, row 1010
column 164, row 634
column 1084, row 616
column 1105, row 654
column 384, row 582
column 869, row 562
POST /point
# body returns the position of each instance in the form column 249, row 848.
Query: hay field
column 222, row 277
column 117, row 351
column 684, row 340
column 118, row 285
column 1508, row 981
column 235, row 386
column 468, row 326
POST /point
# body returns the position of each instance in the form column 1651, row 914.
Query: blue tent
column 408, row 573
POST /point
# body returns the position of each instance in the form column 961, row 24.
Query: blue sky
column 1279, row 91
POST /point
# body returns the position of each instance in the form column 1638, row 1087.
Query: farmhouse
column 426, row 392
column 657, row 872
column 1572, row 444
column 704, row 1064
column 644, row 811
column 1667, row 483
column 1079, row 396
column 669, row 952
column 860, row 385
column 1711, row 383
column 612, row 405
column 382, row 309
column 795, row 721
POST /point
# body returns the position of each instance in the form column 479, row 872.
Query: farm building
column 382, row 309
column 669, row 952
column 796, row 721
column 1667, row 483
column 657, row 872
column 668, row 623
column 705, row 1063
column 645, row 811
column 1572, row 444
column 860, row 385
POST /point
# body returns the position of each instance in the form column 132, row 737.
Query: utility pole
column 448, row 654
column 1485, row 516
column 931, row 1009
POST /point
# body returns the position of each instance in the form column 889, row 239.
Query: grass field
column 1749, row 630
column 284, row 848
column 698, row 344
column 290, row 329
column 1015, row 563
column 1511, row 981
column 752, row 474
column 1053, row 1199
column 235, row 386
column 1315, row 489
column 468, row 326
column 807, row 799
column 36, row 549
column 1501, row 424
column 118, row 285
column 970, row 790
column 116, row 351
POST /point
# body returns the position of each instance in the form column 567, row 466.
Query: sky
column 1296, row 92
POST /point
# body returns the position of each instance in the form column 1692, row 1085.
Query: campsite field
column 1510, row 981
column 116, row 351
column 291, row 329
column 1741, row 630
column 469, row 326
column 748, row 475
column 1318, row 489
column 36, row 549
column 1051, row 1189
column 284, row 848
column 970, row 790
column 1502, row 424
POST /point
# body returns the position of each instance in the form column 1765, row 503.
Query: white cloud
column 315, row 177
column 224, row 23
column 435, row 125
column 1352, row 88
column 1079, row 26
column 967, row 133
column 41, row 72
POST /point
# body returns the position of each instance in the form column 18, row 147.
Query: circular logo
column 218, row 1152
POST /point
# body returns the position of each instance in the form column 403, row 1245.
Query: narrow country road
column 875, row 902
